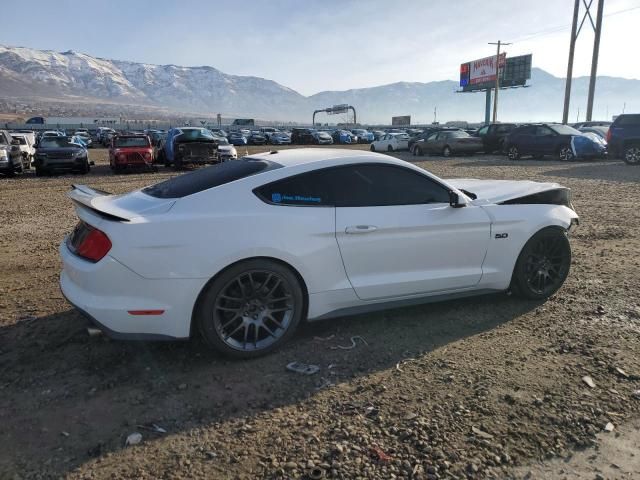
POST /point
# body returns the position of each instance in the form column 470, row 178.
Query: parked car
column 302, row 136
column 77, row 139
column 344, row 137
column 391, row 142
column 378, row 134
column 493, row 136
column 267, row 132
column 600, row 131
column 226, row 151
column 58, row 154
column 11, row 159
column 623, row 138
column 27, row 149
column 237, row 139
column 542, row 139
column 322, row 138
column 364, row 136
column 280, row 138
column 598, row 123
column 163, row 263
column 256, row 138
column 426, row 133
column 449, row 142
column 190, row 146
column 131, row 152
column 86, row 138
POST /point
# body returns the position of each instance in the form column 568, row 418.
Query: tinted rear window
column 625, row 120
column 209, row 177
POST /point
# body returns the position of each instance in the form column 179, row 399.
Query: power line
column 559, row 28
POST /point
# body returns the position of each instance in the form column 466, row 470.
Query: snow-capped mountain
column 198, row 89
column 28, row 73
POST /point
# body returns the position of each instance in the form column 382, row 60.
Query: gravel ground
column 489, row 387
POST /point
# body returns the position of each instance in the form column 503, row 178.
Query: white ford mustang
column 244, row 251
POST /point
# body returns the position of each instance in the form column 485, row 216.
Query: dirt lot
column 483, row 388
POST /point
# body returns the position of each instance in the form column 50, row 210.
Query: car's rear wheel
column 543, row 264
column 513, row 153
column 632, row 155
column 372, row 148
column 250, row 309
column 389, row 148
column 565, row 154
column 446, row 151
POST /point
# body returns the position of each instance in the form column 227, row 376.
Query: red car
column 131, row 152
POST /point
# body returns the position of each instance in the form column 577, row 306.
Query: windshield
column 131, row 142
column 564, row 129
column 196, row 134
column 54, row 142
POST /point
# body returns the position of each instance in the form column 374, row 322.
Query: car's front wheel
column 632, row 155
column 372, row 148
column 251, row 308
column 513, row 153
column 389, row 148
column 446, row 151
column 543, row 264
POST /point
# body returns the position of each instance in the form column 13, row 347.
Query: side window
column 432, row 137
column 503, row 129
column 312, row 189
column 383, row 185
column 483, row 131
column 543, row 131
column 3, row 141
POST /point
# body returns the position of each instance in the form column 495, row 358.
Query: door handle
column 361, row 229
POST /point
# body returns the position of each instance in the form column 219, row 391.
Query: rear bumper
column 105, row 292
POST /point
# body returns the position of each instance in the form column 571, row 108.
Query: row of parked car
column 617, row 139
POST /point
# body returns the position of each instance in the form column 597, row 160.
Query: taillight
column 89, row 243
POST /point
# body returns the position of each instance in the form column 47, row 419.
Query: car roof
column 301, row 156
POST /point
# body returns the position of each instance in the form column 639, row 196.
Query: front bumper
column 61, row 163
column 106, row 291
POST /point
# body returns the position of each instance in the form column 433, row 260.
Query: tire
column 632, row 155
column 543, row 264
column 372, row 148
column 389, row 148
column 446, row 151
column 236, row 303
column 420, row 152
column 40, row 172
column 513, row 153
column 565, row 154
column 86, row 168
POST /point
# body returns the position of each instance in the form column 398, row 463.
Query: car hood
column 498, row 191
column 60, row 149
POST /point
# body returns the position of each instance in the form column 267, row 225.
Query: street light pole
column 495, row 95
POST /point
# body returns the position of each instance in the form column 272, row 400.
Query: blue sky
column 312, row 46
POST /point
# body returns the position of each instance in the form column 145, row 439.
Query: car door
column 398, row 235
column 544, row 141
column 431, row 143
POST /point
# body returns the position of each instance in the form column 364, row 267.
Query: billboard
column 484, row 70
column 481, row 74
column 402, row 120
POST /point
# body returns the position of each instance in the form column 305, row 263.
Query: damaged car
column 190, row 146
column 182, row 256
column 131, row 152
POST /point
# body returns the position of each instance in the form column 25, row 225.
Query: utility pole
column 594, row 60
column 575, row 32
column 495, row 95
column 572, row 49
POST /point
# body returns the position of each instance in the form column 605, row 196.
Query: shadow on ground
column 66, row 397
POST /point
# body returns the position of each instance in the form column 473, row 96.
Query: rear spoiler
column 87, row 196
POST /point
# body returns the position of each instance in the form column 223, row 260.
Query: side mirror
column 454, row 200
